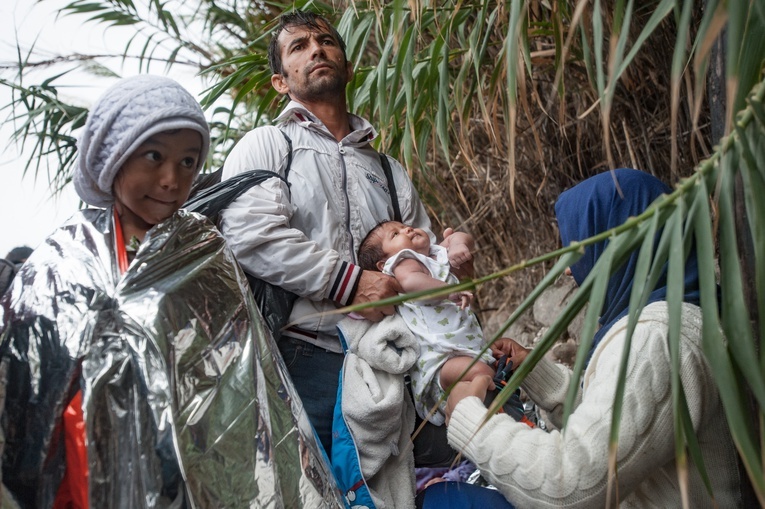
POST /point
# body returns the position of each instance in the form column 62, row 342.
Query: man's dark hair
column 19, row 255
column 305, row 19
column 371, row 252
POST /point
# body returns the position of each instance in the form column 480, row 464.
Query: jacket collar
column 362, row 131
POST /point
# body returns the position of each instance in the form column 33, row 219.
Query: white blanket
column 377, row 409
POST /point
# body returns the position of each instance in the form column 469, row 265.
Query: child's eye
column 189, row 162
column 153, row 155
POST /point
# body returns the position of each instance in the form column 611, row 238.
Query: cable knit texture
column 126, row 115
column 533, row 468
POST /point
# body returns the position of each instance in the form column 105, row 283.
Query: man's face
column 313, row 65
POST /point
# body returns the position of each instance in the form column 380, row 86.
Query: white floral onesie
column 443, row 329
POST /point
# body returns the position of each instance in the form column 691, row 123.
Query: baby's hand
column 459, row 254
column 462, row 298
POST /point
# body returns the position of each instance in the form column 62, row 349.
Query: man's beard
column 323, row 87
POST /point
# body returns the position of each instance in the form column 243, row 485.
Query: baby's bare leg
column 453, row 368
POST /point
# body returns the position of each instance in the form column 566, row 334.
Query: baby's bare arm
column 453, row 239
column 414, row 277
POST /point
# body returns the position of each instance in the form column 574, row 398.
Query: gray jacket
column 304, row 238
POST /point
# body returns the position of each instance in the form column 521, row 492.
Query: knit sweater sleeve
column 547, row 385
column 533, row 468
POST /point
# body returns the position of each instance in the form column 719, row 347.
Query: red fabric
column 119, row 241
column 73, row 491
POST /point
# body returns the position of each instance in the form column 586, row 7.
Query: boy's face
column 396, row 236
column 156, row 179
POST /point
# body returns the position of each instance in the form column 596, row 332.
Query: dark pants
column 315, row 374
column 460, row 495
column 431, row 447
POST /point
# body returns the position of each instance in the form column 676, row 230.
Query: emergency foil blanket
column 186, row 400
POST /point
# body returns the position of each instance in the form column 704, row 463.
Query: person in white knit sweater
column 569, row 468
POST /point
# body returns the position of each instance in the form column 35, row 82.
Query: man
column 304, row 236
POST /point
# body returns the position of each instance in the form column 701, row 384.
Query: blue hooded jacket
column 594, row 206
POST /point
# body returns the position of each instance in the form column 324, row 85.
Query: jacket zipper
column 341, row 150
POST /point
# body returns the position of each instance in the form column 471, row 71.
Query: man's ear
column 348, row 71
column 277, row 81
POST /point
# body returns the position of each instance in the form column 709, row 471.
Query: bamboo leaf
column 734, row 311
column 754, row 186
column 657, row 17
column 736, row 412
column 382, row 77
column 675, row 292
column 678, row 66
column 596, row 298
column 443, row 116
column 598, row 37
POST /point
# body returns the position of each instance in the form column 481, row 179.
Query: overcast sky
column 28, row 211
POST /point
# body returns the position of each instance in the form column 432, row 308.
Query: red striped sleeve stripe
column 342, row 290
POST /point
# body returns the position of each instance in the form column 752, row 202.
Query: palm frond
column 43, row 124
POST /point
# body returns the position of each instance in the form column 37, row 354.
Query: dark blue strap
column 391, row 187
column 460, row 495
column 289, row 157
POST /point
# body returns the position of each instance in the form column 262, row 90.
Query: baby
column 449, row 333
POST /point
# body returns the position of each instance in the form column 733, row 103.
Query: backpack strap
column 274, row 303
column 391, row 187
column 211, row 200
column 289, row 157
column 386, row 168
column 7, row 272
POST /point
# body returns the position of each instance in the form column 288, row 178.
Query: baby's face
column 396, row 236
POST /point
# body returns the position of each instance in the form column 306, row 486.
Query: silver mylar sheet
column 187, row 402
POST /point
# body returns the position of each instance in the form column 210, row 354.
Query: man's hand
column 477, row 387
column 375, row 286
column 514, row 351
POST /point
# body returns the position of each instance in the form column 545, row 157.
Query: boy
column 133, row 354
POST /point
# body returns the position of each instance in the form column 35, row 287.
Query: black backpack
column 210, row 195
column 7, row 272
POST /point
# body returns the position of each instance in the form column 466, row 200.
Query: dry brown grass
column 473, row 192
